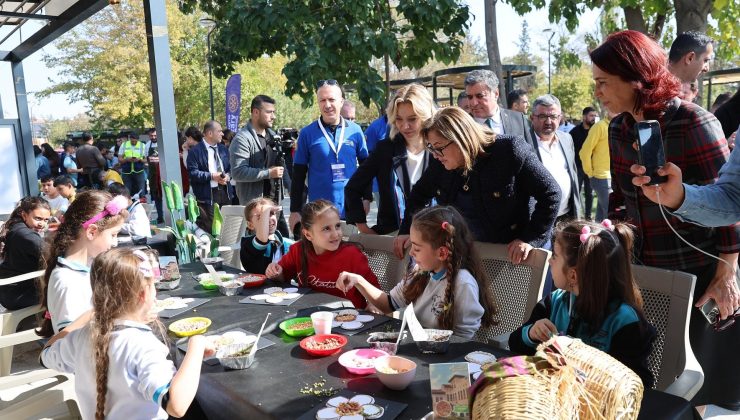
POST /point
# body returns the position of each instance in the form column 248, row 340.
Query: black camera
column 285, row 139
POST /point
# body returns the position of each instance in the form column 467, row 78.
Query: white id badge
column 337, row 172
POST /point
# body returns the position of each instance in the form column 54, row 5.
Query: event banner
column 233, row 101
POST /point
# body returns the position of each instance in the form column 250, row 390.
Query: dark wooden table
column 270, row 388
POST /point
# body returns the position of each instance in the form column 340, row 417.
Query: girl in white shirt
column 447, row 285
column 118, row 351
column 90, row 226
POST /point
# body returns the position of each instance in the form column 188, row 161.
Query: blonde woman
column 491, row 179
column 397, row 163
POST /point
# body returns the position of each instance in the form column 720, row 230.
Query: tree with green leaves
column 524, row 56
column 328, row 39
column 650, row 16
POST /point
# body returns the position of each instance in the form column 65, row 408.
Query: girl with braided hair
column 597, row 299
column 90, row 227
column 447, row 285
column 120, row 353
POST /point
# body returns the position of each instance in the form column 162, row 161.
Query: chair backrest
column 516, row 289
column 232, row 230
column 348, row 230
column 149, row 209
column 667, row 297
column 383, row 261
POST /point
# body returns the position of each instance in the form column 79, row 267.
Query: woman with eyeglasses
column 633, row 81
column 397, row 163
column 491, row 179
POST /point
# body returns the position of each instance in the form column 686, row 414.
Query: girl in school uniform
column 447, row 286
column 90, row 227
column 321, row 255
column 118, row 351
column 264, row 245
column 597, row 299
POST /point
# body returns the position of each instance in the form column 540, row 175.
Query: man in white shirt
column 57, row 203
column 556, row 151
column 481, row 87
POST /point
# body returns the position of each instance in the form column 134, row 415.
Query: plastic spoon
column 254, row 348
column 400, row 333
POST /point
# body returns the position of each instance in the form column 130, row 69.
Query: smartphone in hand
column 650, row 153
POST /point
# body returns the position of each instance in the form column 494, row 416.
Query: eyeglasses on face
column 438, row 151
column 330, row 82
column 545, row 117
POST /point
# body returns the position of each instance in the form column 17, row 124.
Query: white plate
column 372, row 411
column 364, row 318
column 259, row 297
column 333, row 402
column 290, row 296
column 329, row 413
column 336, row 324
column 352, row 325
column 476, row 375
column 362, row 399
column 480, row 357
column 290, row 290
column 270, row 290
column 274, row 299
column 474, row 368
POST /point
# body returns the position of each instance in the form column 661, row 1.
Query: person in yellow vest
column 594, row 155
column 132, row 157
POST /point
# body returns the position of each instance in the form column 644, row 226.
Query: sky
column 39, row 77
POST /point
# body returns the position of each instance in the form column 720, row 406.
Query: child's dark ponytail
column 601, row 254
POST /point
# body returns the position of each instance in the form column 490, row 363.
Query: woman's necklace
column 467, row 180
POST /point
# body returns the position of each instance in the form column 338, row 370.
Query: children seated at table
column 447, row 285
column 21, row 249
column 597, row 299
column 120, row 365
column 90, row 227
column 321, row 255
column 264, row 244
column 137, row 223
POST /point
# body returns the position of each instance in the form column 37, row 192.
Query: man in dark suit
column 209, row 169
column 556, row 151
column 481, row 87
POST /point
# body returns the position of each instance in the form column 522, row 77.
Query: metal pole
column 210, row 72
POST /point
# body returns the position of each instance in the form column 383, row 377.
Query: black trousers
column 220, row 196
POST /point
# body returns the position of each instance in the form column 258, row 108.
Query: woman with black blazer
column 496, row 182
column 397, row 163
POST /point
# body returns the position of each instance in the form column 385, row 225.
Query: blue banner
column 233, row 101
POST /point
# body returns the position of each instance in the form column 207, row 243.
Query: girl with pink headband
column 90, row 227
column 596, row 299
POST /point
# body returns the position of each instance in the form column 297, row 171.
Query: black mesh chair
column 516, row 289
column 667, row 297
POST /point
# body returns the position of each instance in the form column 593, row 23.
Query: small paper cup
column 322, row 322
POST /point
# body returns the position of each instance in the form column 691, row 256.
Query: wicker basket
column 549, row 394
column 614, row 390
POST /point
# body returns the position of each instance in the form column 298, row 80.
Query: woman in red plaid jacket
column 632, row 80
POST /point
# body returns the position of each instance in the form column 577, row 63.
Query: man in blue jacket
column 328, row 151
column 209, row 168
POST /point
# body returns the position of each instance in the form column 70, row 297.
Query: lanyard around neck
column 334, row 147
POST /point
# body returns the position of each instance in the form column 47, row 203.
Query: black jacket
column 387, row 163
column 502, row 183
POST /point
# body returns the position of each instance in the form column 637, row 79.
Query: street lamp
column 209, row 24
column 549, row 66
